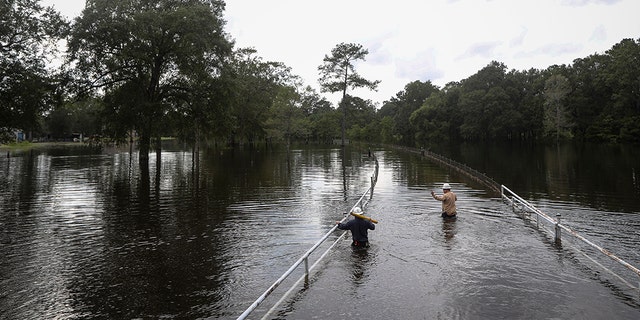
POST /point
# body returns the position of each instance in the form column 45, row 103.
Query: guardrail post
column 306, row 270
column 558, row 239
column 372, row 183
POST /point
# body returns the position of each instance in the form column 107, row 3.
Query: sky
column 436, row 40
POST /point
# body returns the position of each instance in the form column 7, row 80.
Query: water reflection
column 88, row 234
column 600, row 176
column 360, row 262
column 449, row 229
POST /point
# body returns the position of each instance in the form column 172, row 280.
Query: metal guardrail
column 518, row 203
column 362, row 202
column 462, row 168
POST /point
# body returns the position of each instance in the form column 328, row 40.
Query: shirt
column 358, row 228
column 448, row 202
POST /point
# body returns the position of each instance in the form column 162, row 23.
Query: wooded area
column 168, row 68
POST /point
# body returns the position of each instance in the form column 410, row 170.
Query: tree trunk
column 158, row 152
column 144, row 146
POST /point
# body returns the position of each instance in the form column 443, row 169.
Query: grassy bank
column 22, row 146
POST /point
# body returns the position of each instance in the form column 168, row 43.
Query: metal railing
column 462, row 168
column 519, row 204
column 362, row 202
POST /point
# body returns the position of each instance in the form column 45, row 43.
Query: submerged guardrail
column 517, row 201
column 462, row 168
column 362, row 202
column 521, row 205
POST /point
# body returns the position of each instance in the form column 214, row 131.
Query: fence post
column 372, row 183
column 558, row 238
column 306, row 270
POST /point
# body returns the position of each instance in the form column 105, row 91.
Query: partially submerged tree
column 337, row 73
column 146, row 55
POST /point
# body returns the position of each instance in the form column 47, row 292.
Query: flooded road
column 85, row 234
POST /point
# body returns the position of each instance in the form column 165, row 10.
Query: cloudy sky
column 437, row 40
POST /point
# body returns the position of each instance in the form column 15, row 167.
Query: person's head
column 357, row 210
column 446, row 187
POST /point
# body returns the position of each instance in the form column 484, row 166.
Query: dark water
column 87, row 234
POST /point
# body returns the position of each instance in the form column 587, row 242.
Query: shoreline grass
column 21, row 146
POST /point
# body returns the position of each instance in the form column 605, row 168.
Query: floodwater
column 88, row 234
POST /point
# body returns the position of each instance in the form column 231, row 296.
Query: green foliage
column 28, row 34
column 148, row 57
column 337, row 73
column 405, row 103
column 556, row 118
column 80, row 117
column 166, row 67
column 286, row 118
column 386, row 130
column 253, row 86
column 597, row 98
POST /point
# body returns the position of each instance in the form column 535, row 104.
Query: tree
column 590, row 95
column 79, row 117
column 337, row 73
column 623, row 78
column 255, row 84
column 556, row 119
column 286, row 119
column 407, row 102
column 323, row 123
column 147, row 55
column 525, row 90
column 362, row 113
column 28, row 36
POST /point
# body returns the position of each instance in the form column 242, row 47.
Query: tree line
column 168, row 68
column 597, row 98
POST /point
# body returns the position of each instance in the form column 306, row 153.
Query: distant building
column 20, row 135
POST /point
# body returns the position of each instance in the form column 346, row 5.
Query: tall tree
column 255, row 84
column 590, row 96
column 286, row 116
column 556, row 120
column 407, row 102
column 623, row 77
column 28, row 34
column 148, row 53
column 337, row 73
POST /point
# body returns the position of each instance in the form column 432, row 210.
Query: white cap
column 357, row 210
column 446, row 186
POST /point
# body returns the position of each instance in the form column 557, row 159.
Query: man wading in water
column 448, row 201
column 359, row 229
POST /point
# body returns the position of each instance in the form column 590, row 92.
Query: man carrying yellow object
column 359, row 229
column 448, row 202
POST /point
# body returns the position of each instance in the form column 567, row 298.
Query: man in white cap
column 448, row 201
column 359, row 228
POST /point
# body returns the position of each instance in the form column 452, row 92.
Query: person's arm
column 437, row 197
column 343, row 226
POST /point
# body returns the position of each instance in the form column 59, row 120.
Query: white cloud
column 599, row 34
